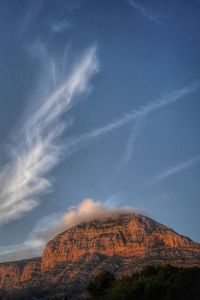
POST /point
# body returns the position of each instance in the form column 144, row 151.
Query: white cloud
column 89, row 210
column 37, row 149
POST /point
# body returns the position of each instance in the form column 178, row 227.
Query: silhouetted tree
column 152, row 283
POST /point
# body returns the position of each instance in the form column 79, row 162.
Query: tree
column 101, row 284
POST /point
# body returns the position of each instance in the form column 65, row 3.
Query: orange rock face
column 127, row 236
column 14, row 272
column 121, row 244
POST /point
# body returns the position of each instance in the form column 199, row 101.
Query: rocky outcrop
column 12, row 273
column 126, row 236
column 122, row 244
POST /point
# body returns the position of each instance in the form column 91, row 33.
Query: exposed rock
column 127, row 236
column 122, row 244
column 11, row 273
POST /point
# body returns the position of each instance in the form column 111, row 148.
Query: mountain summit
column 128, row 235
column 122, row 244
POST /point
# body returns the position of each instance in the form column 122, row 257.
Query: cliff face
column 126, row 236
column 12, row 273
column 122, row 244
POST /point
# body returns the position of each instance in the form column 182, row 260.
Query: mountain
column 122, row 244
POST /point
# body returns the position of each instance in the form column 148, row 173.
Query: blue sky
column 98, row 100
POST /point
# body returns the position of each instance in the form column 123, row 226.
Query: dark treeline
column 152, row 283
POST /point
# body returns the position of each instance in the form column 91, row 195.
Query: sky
column 99, row 112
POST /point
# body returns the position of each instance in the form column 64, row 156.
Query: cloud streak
column 139, row 119
column 60, row 27
column 148, row 12
column 135, row 132
column 176, row 169
column 75, row 143
column 24, row 177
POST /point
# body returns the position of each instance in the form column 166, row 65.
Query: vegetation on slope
column 152, row 283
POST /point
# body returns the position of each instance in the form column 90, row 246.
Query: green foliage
column 152, row 283
column 99, row 286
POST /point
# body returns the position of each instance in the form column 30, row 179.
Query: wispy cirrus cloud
column 140, row 121
column 60, row 26
column 37, row 149
column 176, row 169
column 146, row 11
column 138, row 115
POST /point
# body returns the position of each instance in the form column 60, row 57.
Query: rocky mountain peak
column 123, row 235
column 122, row 243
